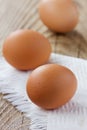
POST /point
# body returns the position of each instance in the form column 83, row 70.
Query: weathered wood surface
column 10, row 118
column 19, row 14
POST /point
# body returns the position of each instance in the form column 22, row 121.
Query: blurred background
column 23, row 14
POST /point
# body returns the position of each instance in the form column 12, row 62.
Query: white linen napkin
column 71, row 116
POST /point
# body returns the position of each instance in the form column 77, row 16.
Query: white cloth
column 71, row 116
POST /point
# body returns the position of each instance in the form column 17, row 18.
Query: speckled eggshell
column 51, row 86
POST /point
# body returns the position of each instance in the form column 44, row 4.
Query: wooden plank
column 75, row 43
column 11, row 118
column 21, row 14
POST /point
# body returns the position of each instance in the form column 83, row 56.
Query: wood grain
column 21, row 14
column 10, row 118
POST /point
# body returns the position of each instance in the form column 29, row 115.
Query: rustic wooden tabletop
column 23, row 14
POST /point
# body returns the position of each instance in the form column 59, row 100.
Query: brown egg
column 59, row 15
column 26, row 49
column 51, row 86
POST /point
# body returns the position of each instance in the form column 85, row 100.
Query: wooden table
column 21, row 14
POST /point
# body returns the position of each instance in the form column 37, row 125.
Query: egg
column 51, row 86
column 26, row 49
column 59, row 15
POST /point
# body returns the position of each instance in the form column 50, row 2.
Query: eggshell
column 59, row 15
column 51, row 86
column 26, row 49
